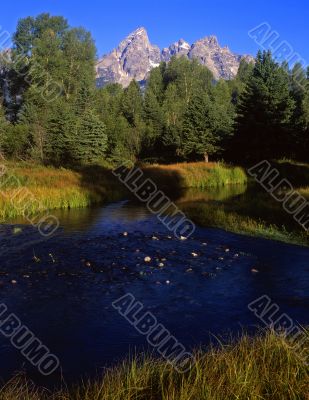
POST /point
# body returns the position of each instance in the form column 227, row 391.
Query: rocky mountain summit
column 136, row 56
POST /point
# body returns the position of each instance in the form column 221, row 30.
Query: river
column 63, row 288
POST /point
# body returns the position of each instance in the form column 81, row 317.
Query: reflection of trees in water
column 82, row 219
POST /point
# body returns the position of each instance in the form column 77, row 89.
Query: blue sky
column 167, row 21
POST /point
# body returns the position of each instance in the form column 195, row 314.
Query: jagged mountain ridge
column 136, row 56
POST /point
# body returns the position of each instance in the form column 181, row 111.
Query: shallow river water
column 65, row 286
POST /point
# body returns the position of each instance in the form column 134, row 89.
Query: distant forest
column 51, row 111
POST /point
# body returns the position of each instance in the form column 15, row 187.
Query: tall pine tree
column 264, row 112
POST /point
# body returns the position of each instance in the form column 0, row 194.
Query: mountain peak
column 132, row 59
column 141, row 31
column 136, row 56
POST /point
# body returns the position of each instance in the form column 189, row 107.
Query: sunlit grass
column 199, row 174
column 267, row 367
column 215, row 215
column 30, row 189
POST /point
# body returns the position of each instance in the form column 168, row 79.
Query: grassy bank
column 266, row 367
column 197, row 175
column 36, row 188
column 220, row 216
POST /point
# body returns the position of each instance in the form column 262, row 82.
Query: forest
column 52, row 113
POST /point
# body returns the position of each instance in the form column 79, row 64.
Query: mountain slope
column 136, row 56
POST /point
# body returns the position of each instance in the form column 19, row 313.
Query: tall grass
column 198, row 174
column 266, row 367
column 32, row 189
column 216, row 215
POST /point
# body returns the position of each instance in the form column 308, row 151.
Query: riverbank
column 35, row 188
column 267, row 367
column 230, row 217
column 31, row 189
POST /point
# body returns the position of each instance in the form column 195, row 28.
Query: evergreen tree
column 91, row 140
column 153, row 118
column 264, row 112
column 132, row 103
column 200, row 133
column 61, row 133
column 132, row 109
column 304, row 134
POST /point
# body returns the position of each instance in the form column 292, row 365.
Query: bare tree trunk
column 206, row 157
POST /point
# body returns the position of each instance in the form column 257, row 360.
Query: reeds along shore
column 38, row 188
column 266, row 367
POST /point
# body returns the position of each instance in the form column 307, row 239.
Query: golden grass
column 198, row 174
column 304, row 192
column 266, row 367
column 32, row 188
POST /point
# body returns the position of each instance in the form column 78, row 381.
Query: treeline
column 52, row 112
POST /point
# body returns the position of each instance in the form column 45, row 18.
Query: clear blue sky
column 167, row 21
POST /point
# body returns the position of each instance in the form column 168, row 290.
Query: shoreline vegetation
column 38, row 188
column 41, row 188
column 267, row 366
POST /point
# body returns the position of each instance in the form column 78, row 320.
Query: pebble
column 125, row 233
column 147, row 259
column 194, row 254
column 227, row 250
column 189, row 270
column 13, row 282
column 88, row 264
column 161, row 265
column 254, row 271
column 183, row 238
column 167, row 282
column 154, row 238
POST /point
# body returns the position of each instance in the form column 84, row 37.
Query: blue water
column 67, row 304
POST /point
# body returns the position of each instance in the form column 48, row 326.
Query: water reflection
column 66, row 299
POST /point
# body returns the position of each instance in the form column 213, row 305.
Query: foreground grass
column 266, row 367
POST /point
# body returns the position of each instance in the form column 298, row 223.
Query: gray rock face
column 136, row 56
column 178, row 49
column 132, row 59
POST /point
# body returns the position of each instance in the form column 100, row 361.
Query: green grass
column 216, row 215
column 266, row 367
column 43, row 188
column 38, row 188
column 197, row 175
